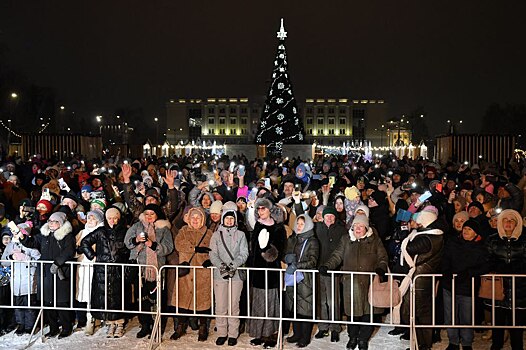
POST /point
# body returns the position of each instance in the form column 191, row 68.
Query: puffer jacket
column 163, row 237
column 23, row 272
column 359, row 255
column 508, row 256
column 308, row 260
column 237, row 245
column 59, row 247
column 110, row 249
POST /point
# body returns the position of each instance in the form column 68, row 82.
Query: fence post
column 412, row 328
column 156, row 336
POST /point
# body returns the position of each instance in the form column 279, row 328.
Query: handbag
column 183, row 271
column 242, row 273
column 380, row 293
column 289, row 277
column 486, row 288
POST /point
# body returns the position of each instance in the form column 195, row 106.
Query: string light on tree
column 280, row 123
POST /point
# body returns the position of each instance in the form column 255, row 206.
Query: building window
column 211, row 120
column 233, row 110
column 222, row 132
column 358, row 113
column 331, row 131
column 243, row 131
column 342, row 131
column 310, row 132
column 210, row 131
column 222, row 110
column 222, row 121
column 320, row 131
column 343, row 121
column 255, row 111
column 342, row 111
column 331, row 121
column 233, row 120
column 309, row 110
column 309, row 121
column 211, row 110
column 320, row 110
column 331, row 110
column 243, row 111
column 233, row 131
column 320, row 121
column 243, row 121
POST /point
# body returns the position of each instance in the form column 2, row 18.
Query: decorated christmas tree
column 280, row 122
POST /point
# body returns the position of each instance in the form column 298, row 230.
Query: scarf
column 150, row 273
column 267, row 222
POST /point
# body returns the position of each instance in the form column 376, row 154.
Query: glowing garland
column 9, row 129
column 43, row 128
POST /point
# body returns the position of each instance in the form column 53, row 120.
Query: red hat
column 47, row 203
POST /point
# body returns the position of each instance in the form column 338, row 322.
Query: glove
column 56, row 270
column 291, row 268
column 324, row 270
column 290, row 258
column 381, row 273
column 263, row 238
column 207, row 263
column 224, row 271
column 232, row 270
column 203, row 250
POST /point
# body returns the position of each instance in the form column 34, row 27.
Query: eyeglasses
column 53, row 222
column 261, row 208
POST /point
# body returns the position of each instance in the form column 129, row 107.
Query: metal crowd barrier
column 433, row 284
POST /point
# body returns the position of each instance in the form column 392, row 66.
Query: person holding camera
column 150, row 241
column 56, row 243
column 229, row 250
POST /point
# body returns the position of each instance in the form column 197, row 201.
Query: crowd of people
column 334, row 213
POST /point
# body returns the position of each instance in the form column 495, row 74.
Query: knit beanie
column 330, row 210
column 476, row 204
column 473, row 224
column 363, row 208
column 100, row 201
column 58, row 216
column 47, row 204
column 427, row 216
column 216, row 207
column 97, row 213
column 156, row 209
column 361, row 219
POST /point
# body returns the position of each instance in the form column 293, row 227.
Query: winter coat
column 137, row 207
column 59, row 247
column 464, row 258
column 329, row 238
column 308, row 260
column 84, row 269
column 237, row 245
column 268, row 257
column 186, row 241
column 508, row 256
column 163, row 237
column 106, row 289
column 359, row 255
column 516, row 199
column 23, row 274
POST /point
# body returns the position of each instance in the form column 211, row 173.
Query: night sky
column 453, row 58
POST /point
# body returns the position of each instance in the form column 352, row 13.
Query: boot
column 19, row 330
column 453, row 347
column 363, row 344
column 179, row 331
column 111, row 329
column 352, row 343
column 119, row 330
column 335, row 336
column 203, row 332
column 90, row 325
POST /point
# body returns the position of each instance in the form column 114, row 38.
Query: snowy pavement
column 79, row 341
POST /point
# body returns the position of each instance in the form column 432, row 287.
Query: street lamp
column 156, row 130
column 14, row 95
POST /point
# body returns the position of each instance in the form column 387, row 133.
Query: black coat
column 59, row 247
column 466, row 259
column 269, row 256
column 508, row 256
column 329, row 238
column 110, row 248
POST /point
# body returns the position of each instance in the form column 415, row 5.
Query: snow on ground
column 79, row 341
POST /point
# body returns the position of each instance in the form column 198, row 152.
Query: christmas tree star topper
column 282, row 34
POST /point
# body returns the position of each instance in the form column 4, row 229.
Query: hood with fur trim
column 200, row 212
column 159, row 223
column 369, row 233
column 510, row 214
column 60, row 233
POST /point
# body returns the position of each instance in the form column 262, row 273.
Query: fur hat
column 263, row 202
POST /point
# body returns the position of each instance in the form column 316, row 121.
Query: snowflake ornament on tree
column 279, row 130
column 281, row 116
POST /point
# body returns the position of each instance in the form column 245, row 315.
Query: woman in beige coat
column 192, row 243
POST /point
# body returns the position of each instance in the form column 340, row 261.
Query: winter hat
column 86, row 188
column 24, row 202
column 216, row 207
column 155, row 208
column 363, row 208
column 329, row 210
column 425, row 217
column 230, row 213
column 72, row 197
column 97, row 213
column 360, row 219
column 100, row 201
column 463, row 215
column 476, row 204
column 263, row 202
column 320, row 209
column 47, row 203
column 351, row 193
column 228, row 206
column 473, row 224
column 113, row 210
column 120, row 206
column 58, row 216
column 152, row 192
column 241, row 199
column 309, row 225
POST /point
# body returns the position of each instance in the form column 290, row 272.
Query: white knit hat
column 216, row 207
column 425, row 217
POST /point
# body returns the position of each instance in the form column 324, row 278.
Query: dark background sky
column 453, row 58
